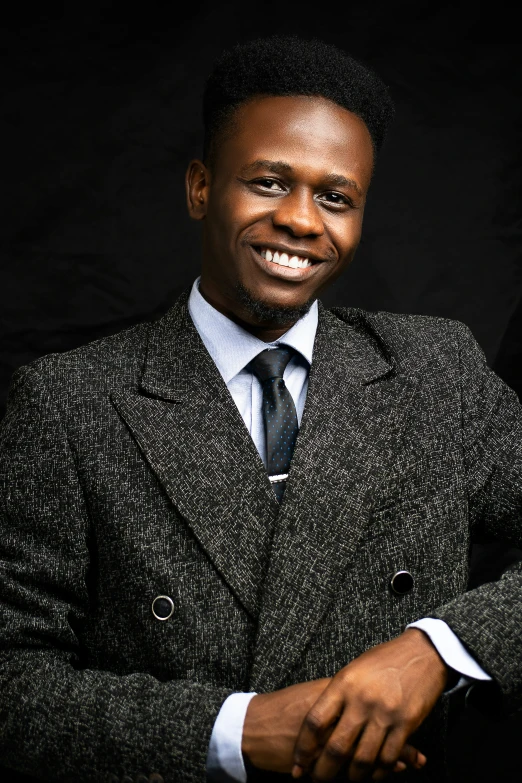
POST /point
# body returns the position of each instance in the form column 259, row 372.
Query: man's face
column 282, row 205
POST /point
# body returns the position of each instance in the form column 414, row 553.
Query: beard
column 268, row 314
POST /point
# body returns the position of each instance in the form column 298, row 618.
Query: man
column 235, row 541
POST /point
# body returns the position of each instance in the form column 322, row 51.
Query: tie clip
column 278, row 478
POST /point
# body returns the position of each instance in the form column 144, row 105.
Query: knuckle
column 407, row 723
column 390, row 705
column 345, row 677
column 314, row 722
column 335, row 750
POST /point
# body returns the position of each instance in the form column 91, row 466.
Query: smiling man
column 280, row 225
column 235, row 541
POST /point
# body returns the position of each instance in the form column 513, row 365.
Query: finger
column 408, row 757
column 412, row 757
column 338, row 748
column 315, row 727
column 395, row 749
column 366, row 752
column 297, row 771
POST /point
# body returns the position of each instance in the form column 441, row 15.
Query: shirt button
column 162, row 607
column 401, row 582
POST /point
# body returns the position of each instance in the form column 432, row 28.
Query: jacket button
column 162, row 607
column 401, row 582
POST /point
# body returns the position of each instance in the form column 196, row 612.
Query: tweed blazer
column 127, row 473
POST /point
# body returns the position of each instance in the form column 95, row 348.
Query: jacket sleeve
column 488, row 619
column 59, row 720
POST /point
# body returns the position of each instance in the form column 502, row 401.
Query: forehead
column 302, row 131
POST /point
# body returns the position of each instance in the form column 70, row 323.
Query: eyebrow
column 280, row 167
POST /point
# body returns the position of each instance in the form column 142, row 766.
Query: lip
column 285, row 272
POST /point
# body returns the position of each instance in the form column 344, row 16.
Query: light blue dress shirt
column 232, row 348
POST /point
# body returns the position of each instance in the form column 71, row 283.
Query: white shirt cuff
column 224, row 758
column 451, row 650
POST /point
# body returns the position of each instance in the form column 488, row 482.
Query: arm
column 452, row 652
column 59, row 718
column 386, row 693
column 488, row 619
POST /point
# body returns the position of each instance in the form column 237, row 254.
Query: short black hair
column 289, row 65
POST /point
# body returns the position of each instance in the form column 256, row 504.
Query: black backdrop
column 101, row 113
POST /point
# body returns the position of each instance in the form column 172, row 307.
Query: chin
column 268, row 312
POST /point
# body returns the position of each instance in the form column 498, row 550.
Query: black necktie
column 278, row 412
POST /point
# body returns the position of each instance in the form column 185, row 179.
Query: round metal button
column 162, row 607
column 401, row 582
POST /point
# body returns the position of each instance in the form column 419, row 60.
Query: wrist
column 424, row 643
column 249, row 728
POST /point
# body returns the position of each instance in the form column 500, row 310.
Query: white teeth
column 294, row 262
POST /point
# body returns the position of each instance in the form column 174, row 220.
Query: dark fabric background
column 101, row 113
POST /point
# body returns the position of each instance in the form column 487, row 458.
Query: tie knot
column 271, row 363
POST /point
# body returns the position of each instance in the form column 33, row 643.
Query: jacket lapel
column 354, row 414
column 194, row 439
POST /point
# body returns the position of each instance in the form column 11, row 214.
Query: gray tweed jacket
column 126, row 473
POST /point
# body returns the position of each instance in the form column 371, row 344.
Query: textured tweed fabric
column 126, row 473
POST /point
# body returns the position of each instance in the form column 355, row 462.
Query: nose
column 298, row 213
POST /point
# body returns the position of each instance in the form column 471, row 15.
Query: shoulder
column 412, row 341
column 94, row 367
column 94, row 371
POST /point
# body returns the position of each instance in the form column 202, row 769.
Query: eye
column 337, row 199
column 267, row 183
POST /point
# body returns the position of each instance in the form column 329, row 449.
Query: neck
column 266, row 331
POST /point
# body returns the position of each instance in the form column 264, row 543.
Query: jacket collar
column 281, row 563
column 177, row 361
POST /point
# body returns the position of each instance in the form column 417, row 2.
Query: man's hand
column 369, row 709
column 273, row 722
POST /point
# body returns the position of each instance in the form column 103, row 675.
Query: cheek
column 236, row 212
column 346, row 234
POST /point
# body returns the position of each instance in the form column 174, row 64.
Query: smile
column 284, row 259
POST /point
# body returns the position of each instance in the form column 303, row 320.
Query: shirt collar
column 232, row 347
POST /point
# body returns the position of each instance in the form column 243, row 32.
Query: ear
column 197, row 184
